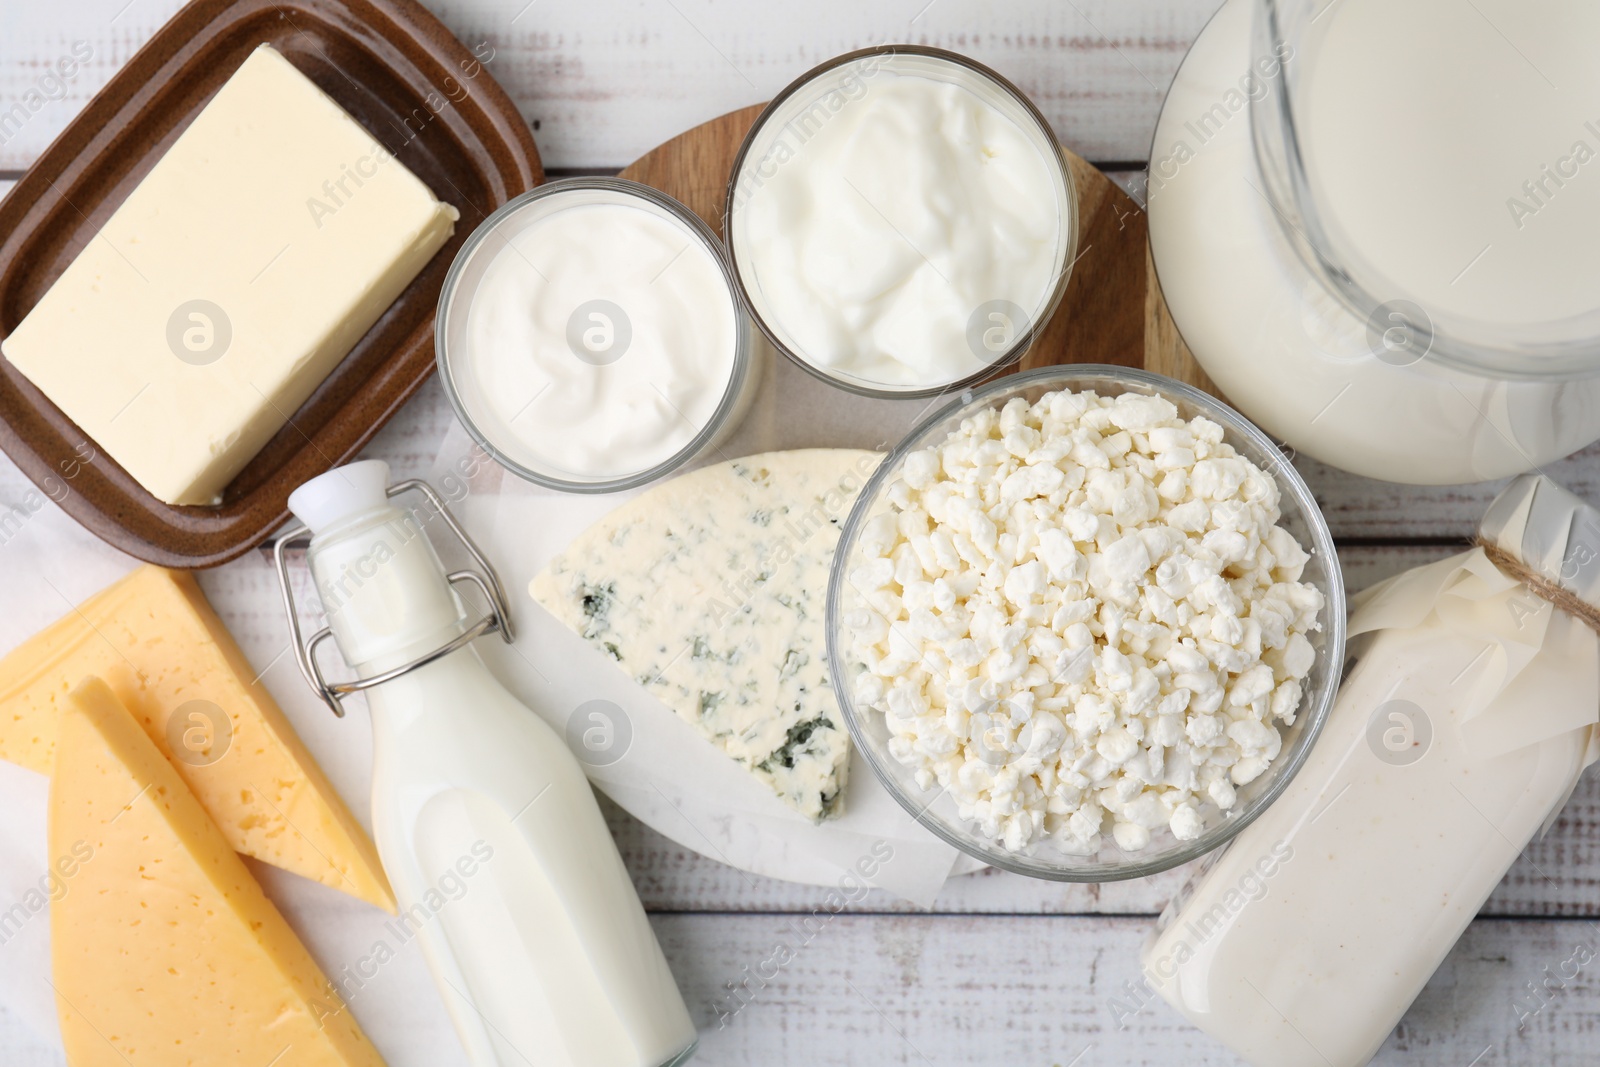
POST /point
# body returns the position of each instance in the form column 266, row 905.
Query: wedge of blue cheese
column 709, row 590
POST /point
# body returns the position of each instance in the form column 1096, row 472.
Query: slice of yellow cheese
column 165, row 949
column 156, row 641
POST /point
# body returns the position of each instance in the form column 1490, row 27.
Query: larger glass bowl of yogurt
column 590, row 339
column 901, row 221
column 1053, row 854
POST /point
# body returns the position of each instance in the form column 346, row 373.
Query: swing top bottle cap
column 340, row 493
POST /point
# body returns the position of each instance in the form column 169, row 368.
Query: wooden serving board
column 1112, row 311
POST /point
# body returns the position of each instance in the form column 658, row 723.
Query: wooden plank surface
column 930, row 991
column 921, row 990
column 604, row 82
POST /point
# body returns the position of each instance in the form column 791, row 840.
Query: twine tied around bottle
column 1561, row 597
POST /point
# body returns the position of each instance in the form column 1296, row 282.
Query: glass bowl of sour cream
column 901, row 220
column 590, row 338
column 982, row 686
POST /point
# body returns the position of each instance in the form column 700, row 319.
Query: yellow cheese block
column 165, row 950
column 159, row 645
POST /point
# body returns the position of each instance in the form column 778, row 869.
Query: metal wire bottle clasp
column 305, row 649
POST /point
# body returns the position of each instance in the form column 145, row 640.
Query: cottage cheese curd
column 1081, row 614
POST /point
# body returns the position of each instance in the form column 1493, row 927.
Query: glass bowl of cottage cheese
column 1085, row 623
column 901, row 220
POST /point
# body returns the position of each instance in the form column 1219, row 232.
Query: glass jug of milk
column 1388, row 258
column 487, row 827
column 1436, row 156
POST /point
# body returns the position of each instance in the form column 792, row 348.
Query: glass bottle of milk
column 487, row 828
column 1467, row 715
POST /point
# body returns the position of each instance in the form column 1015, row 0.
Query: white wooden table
column 1003, row 970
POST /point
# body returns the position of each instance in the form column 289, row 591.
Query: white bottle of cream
column 1460, row 731
column 502, row 863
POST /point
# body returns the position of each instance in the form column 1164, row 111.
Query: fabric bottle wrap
column 1466, row 716
column 1539, row 673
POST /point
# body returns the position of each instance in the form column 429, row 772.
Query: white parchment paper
column 667, row 775
column 48, row 564
column 687, row 790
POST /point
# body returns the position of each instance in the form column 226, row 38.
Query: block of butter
column 164, row 948
column 240, row 271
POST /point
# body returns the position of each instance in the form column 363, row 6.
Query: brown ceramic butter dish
column 400, row 74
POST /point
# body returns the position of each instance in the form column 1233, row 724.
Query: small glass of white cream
column 901, row 221
column 590, row 338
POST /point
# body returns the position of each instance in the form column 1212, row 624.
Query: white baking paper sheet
column 694, row 795
column 670, row 777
